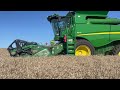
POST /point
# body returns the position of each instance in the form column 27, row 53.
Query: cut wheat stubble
column 59, row 67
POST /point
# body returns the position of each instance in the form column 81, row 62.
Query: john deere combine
column 80, row 33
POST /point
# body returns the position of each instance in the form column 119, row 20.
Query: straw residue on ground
column 59, row 67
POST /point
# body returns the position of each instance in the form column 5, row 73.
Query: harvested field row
column 59, row 67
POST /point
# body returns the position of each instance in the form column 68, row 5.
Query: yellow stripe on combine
column 100, row 33
column 114, row 32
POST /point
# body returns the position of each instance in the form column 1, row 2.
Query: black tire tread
column 115, row 50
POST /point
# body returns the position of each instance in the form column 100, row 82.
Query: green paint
column 94, row 26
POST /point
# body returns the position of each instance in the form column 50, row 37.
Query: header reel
column 20, row 47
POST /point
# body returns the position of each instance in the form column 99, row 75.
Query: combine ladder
column 70, row 46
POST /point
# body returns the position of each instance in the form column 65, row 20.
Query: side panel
column 97, row 34
column 80, row 16
column 115, row 33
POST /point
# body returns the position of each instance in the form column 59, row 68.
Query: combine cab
column 80, row 33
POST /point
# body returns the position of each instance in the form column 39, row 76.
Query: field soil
column 59, row 67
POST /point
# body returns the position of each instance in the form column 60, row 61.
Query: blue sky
column 29, row 26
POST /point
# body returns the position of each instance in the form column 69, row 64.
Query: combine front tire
column 84, row 48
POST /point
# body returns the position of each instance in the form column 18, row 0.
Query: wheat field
column 59, row 67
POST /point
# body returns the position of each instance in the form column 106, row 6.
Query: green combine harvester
column 79, row 33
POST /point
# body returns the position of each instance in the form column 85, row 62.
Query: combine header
column 79, row 33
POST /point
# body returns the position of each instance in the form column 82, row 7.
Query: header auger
column 79, row 33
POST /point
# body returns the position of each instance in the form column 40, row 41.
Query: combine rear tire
column 116, row 50
column 84, row 48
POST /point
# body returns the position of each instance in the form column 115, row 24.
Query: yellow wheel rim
column 119, row 54
column 82, row 50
